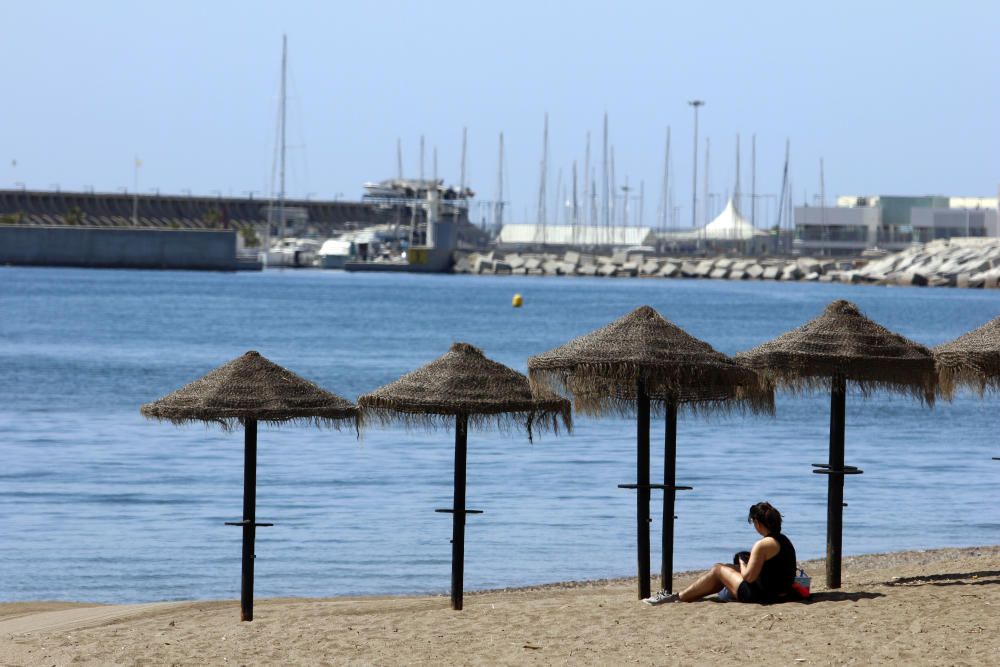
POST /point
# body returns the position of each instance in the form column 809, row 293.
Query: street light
column 694, row 183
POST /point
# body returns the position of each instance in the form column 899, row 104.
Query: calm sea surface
column 96, row 503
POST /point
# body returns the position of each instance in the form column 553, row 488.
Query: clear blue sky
column 896, row 97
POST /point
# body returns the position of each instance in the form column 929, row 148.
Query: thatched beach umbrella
column 971, row 360
column 247, row 390
column 840, row 346
column 637, row 361
column 463, row 387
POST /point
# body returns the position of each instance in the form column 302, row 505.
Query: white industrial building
column 890, row 223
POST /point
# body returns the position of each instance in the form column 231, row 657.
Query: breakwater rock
column 965, row 262
column 946, row 263
column 644, row 265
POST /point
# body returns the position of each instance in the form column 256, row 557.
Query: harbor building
column 890, row 222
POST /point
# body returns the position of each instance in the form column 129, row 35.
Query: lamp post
column 694, row 170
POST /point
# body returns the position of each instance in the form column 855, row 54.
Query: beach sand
column 939, row 607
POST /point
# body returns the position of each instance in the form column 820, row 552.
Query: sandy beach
column 926, row 607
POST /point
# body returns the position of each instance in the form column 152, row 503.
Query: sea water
column 99, row 504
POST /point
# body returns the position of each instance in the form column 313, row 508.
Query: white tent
column 731, row 226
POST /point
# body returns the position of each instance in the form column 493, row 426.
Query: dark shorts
column 747, row 593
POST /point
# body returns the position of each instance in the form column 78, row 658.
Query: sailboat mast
column 461, row 178
column 736, row 190
column 822, row 194
column 281, row 182
column 541, row 181
column 664, row 213
column 421, row 159
column 611, row 203
column 399, row 158
column 784, row 190
column 575, row 206
column 587, row 218
column 498, row 215
column 642, row 201
column 605, row 204
column 753, row 180
column 559, row 198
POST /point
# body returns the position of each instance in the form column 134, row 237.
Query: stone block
column 670, row 270
column 911, row 278
column 483, row 265
column 649, row 267
column 514, row 260
column 552, row 267
column 688, row 269
column 704, row 268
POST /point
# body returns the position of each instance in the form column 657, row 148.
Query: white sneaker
column 662, row 597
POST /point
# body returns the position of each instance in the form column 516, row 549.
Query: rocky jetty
column 643, row 265
column 945, row 263
column 965, row 262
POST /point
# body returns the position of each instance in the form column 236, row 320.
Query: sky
column 893, row 97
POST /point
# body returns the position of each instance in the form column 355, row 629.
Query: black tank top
column 778, row 573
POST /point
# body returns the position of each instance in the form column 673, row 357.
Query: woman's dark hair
column 766, row 515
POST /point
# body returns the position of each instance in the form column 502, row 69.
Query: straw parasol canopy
column 971, row 360
column 244, row 391
column 841, row 346
column 456, row 389
column 464, row 382
column 843, row 342
column 602, row 369
column 251, row 387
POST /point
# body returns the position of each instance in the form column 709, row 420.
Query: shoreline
column 919, row 607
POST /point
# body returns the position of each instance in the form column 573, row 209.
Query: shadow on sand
column 981, row 578
column 841, row 596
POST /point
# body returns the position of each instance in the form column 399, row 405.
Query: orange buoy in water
column 517, row 301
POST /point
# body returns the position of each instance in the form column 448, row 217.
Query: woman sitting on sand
column 764, row 575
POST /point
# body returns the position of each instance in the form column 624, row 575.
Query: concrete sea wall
column 118, row 248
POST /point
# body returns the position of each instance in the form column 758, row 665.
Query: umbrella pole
column 669, row 493
column 249, row 517
column 458, row 515
column 835, row 482
column 642, row 490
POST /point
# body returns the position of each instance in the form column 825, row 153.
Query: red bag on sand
column 800, row 586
